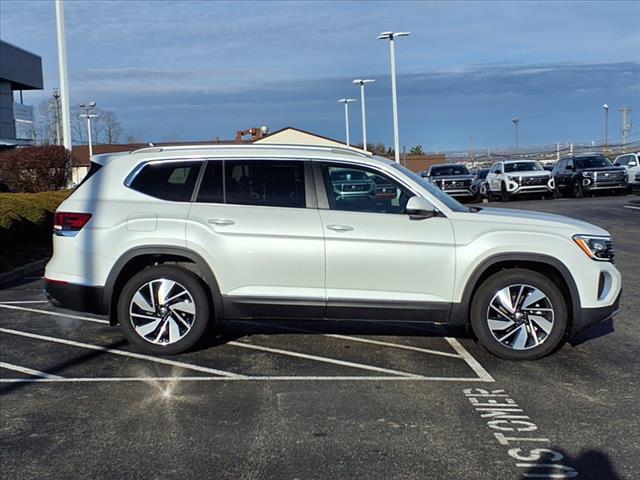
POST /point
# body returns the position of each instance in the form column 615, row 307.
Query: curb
column 23, row 271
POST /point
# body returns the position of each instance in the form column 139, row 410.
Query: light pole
column 64, row 82
column 362, row 107
column 394, row 97
column 346, row 102
column 516, row 121
column 605, row 107
column 87, row 109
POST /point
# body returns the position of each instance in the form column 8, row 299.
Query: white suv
column 167, row 240
column 630, row 161
column 515, row 177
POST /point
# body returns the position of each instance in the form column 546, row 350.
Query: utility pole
column 626, row 126
column 56, row 115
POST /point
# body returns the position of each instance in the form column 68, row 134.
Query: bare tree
column 45, row 123
column 112, row 128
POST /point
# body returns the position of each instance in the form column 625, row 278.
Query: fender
column 209, row 277
column 460, row 311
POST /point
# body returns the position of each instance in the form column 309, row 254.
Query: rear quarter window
column 173, row 181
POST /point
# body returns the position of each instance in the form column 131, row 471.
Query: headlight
column 515, row 179
column 587, row 174
column 598, row 248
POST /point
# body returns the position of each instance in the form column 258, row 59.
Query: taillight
column 69, row 222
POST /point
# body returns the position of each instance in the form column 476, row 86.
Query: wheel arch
column 545, row 264
column 139, row 258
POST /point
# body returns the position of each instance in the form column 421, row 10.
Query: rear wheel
column 519, row 315
column 163, row 310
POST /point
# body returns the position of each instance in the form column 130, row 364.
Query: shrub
column 35, row 169
column 26, row 224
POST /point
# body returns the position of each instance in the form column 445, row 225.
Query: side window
column 268, row 183
column 172, row 181
column 358, row 189
column 211, row 190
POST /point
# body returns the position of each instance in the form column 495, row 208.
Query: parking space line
column 29, row 371
column 630, row 206
column 55, row 314
column 472, row 362
column 238, row 378
column 11, row 302
column 124, row 353
column 362, row 340
column 323, row 359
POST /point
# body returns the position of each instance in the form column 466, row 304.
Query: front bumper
column 591, row 316
column 75, row 297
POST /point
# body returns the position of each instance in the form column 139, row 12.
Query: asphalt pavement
column 322, row 400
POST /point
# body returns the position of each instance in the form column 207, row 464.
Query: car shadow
column 231, row 330
column 596, row 331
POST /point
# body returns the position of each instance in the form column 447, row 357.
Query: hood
column 547, row 220
column 529, row 173
column 612, row 168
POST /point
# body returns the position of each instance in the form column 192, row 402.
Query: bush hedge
column 35, row 169
column 26, row 223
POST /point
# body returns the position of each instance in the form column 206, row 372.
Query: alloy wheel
column 520, row 317
column 162, row 311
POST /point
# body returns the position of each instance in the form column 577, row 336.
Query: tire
column 556, row 193
column 577, row 190
column 506, row 196
column 160, row 329
column 502, row 334
column 490, row 196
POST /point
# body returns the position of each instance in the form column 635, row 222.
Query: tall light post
column 605, row 107
column 64, row 82
column 361, row 82
column 516, row 122
column 346, row 102
column 394, row 97
column 88, row 115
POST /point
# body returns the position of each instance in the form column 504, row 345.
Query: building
column 19, row 70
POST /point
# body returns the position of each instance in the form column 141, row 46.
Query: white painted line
column 323, row 359
column 394, row 345
column 24, row 301
column 472, row 362
column 55, row 314
column 121, row 352
column 248, row 378
column 630, row 206
column 359, row 339
column 29, row 371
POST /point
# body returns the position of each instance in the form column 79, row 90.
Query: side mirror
column 632, row 163
column 418, row 208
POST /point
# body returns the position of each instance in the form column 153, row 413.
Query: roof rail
column 321, row 148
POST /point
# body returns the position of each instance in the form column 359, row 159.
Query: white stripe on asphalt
column 248, row 378
column 630, row 206
column 121, row 352
column 360, row 339
column 322, row 359
column 56, row 314
column 24, row 301
column 29, row 371
column 472, row 362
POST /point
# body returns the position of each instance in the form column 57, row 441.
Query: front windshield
column 483, row 173
column 439, row 171
column 593, row 162
column 451, row 203
column 522, row 166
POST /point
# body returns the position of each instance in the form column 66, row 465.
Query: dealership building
column 19, row 70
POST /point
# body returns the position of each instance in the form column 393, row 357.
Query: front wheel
column 578, row 191
column 163, row 310
column 506, row 196
column 519, row 314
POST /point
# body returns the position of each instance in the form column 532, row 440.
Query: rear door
column 380, row 263
column 257, row 223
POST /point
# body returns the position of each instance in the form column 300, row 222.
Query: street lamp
column 391, row 37
column 605, row 107
column 362, row 107
column 346, row 102
column 516, row 121
column 88, row 115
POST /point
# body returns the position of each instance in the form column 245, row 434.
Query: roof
column 22, row 69
column 292, row 135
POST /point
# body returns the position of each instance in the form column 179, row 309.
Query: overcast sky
column 178, row 70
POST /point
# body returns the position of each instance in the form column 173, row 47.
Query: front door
column 380, row 263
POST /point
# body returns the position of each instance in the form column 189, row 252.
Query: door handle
column 221, row 222
column 340, row 228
